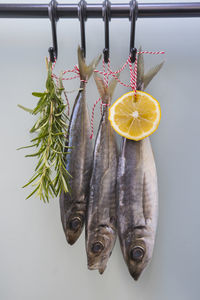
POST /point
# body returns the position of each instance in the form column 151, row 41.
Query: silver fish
column 137, row 207
column 101, row 226
column 79, row 161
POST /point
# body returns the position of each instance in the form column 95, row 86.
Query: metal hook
column 133, row 18
column 53, row 51
column 82, row 18
column 106, row 18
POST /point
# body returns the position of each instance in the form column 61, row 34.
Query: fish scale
column 101, row 212
column 137, row 205
column 79, row 160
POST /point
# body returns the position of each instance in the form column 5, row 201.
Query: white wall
column 35, row 260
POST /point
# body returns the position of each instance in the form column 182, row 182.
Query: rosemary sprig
column 50, row 176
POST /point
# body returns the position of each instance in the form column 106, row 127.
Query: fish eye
column 97, row 247
column 137, row 253
column 75, row 223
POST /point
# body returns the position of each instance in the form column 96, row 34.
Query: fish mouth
column 135, row 275
column 102, row 269
column 97, row 263
column 98, row 267
column 71, row 236
column 71, row 239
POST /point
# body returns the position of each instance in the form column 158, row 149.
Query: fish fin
column 140, row 70
column 85, row 70
column 103, row 89
column 151, row 73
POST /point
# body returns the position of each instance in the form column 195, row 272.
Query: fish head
column 74, row 227
column 99, row 248
column 138, row 255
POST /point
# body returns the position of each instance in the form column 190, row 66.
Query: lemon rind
column 126, row 135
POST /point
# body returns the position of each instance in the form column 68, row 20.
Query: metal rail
column 145, row 10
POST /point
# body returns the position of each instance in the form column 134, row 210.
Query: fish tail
column 112, row 85
column 144, row 79
column 140, row 69
column 151, row 73
column 85, row 70
column 106, row 92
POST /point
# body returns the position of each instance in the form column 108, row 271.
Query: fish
column 79, row 160
column 101, row 227
column 137, row 202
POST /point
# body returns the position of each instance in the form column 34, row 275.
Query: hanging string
column 133, row 75
column 133, row 79
column 106, row 79
column 109, row 72
column 106, row 75
column 57, row 83
column 92, row 118
column 68, row 106
column 53, row 64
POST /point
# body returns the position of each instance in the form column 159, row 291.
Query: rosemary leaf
column 25, row 108
column 25, row 147
column 38, row 94
column 33, row 192
column 50, row 175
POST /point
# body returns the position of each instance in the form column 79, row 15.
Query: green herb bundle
column 50, row 176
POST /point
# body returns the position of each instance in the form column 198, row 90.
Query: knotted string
column 106, row 75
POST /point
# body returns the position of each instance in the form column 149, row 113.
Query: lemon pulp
column 135, row 116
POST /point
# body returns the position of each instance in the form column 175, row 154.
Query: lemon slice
column 135, row 117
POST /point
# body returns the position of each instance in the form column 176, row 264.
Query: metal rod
column 145, row 10
column 82, row 18
column 106, row 18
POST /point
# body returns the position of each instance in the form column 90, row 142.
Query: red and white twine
column 106, row 75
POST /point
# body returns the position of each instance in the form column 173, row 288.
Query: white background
column 35, row 260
